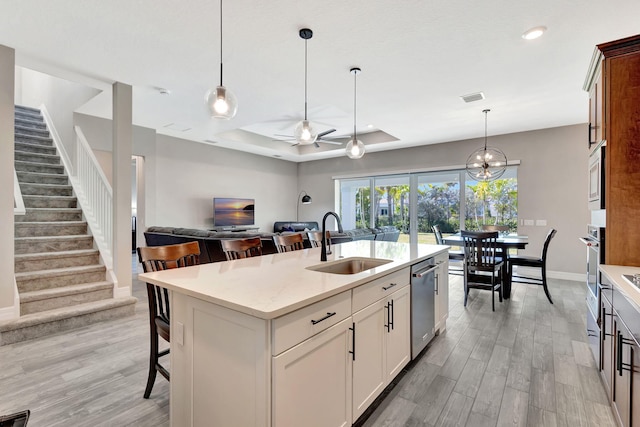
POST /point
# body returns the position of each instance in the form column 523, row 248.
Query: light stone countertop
column 270, row 286
column 615, row 274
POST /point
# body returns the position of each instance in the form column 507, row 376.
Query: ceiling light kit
column 534, row 32
column 222, row 103
column 488, row 163
column 304, row 132
column 355, row 148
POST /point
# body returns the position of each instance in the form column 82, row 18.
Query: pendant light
column 221, row 102
column 304, row 132
column 355, row 147
column 488, row 163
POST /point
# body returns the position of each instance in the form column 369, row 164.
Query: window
column 449, row 199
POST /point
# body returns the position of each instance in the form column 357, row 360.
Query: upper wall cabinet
column 593, row 85
column 615, row 69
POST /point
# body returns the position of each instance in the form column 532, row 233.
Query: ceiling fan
column 320, row 138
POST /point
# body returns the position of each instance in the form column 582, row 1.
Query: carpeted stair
column 61, row 283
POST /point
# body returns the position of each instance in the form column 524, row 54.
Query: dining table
column 505, row 243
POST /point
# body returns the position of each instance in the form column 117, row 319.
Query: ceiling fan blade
column 316, row 144
column 286, row 136
column 331, row 142
column 326, row 132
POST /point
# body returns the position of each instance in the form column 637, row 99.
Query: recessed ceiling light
column 370, row 126
column 534, row 33
column 164, row 91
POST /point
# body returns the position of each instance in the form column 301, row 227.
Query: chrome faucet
column 323, row 253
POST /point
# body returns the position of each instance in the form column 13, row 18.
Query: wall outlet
column 528, row 222
column 541, row 222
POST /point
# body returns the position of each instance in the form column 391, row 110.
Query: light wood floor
column 526, row 364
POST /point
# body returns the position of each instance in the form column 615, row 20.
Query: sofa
column 211, row 248
column 209, row 241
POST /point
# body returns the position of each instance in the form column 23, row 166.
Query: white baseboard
column 122, row 292
column 561, row 275
column 12, row 312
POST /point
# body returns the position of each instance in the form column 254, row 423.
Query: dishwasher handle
column 428, row 269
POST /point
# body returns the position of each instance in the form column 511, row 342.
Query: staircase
column 60, row 280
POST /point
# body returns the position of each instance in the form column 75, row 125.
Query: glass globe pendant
column 221, row 102
column 355, row 148
column 304, row 132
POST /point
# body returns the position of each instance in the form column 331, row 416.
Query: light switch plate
column 528, row 222
column 179, row 333
column 541, row 222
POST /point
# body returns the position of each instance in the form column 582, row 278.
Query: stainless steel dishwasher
column 423, row 283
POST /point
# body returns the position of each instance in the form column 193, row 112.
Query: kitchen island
column 272, row 341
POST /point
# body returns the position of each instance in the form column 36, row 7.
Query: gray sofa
column 211, row 249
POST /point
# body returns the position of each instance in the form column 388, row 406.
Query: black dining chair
column 482, row 265
column 18, row 419
column 456, row 256
column 158, row 258
column 534, row 262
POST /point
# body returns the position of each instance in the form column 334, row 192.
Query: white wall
column 552, row 183
column 182, row 178
column 190, row 174
column 61, row 97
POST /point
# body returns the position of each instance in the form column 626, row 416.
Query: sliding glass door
column 415, row 202
column 438, row 203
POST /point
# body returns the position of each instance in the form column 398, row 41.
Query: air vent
column 472, row 97
column 210, row 141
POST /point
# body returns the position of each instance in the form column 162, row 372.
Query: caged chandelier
column 488, row 163
column 221, row 102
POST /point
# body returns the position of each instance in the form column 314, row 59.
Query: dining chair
column 534, row 262
column 482, row 265
column 288, row 242
column 315, row 238
column 502, row 229
column 456, row 256
column 241, row 248
column 158, row 258
column 18, row 419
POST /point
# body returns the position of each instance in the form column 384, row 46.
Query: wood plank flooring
column 527, row 364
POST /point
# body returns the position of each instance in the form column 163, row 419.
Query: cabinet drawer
column 379, row 288
column 293, row 328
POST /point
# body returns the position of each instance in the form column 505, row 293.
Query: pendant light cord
column 305, row 79
column 220, row 42
column 486, row 112
column 355, row 79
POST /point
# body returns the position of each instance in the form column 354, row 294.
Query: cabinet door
column 398, row 335
column 312, row 381
column 369, row 373
column 607, row 335
column 442, row 292
column 596, row 101
column 635, row 386
column 621, row 374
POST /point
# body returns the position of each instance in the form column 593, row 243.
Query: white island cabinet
column 442, row 292
column 266, row 341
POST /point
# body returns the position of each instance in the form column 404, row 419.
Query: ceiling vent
column 472, row 97
column 210, row 141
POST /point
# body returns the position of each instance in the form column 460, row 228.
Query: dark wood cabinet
column 614, row 78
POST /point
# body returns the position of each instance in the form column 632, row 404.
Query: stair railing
column 92, row 189
column 18, row 202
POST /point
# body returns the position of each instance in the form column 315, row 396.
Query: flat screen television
column 231, row 212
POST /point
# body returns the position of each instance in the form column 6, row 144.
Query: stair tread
column 27, row 163
column 60, row 271
column 54, row 209
column 30, row 153
column 46, row 238
column 65, row 290
column 64, row 313
column 50, row 223
column 60, row 254
column 46, row 185
column 40, row 196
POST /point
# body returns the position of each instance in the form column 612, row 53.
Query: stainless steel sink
column 351, row 265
